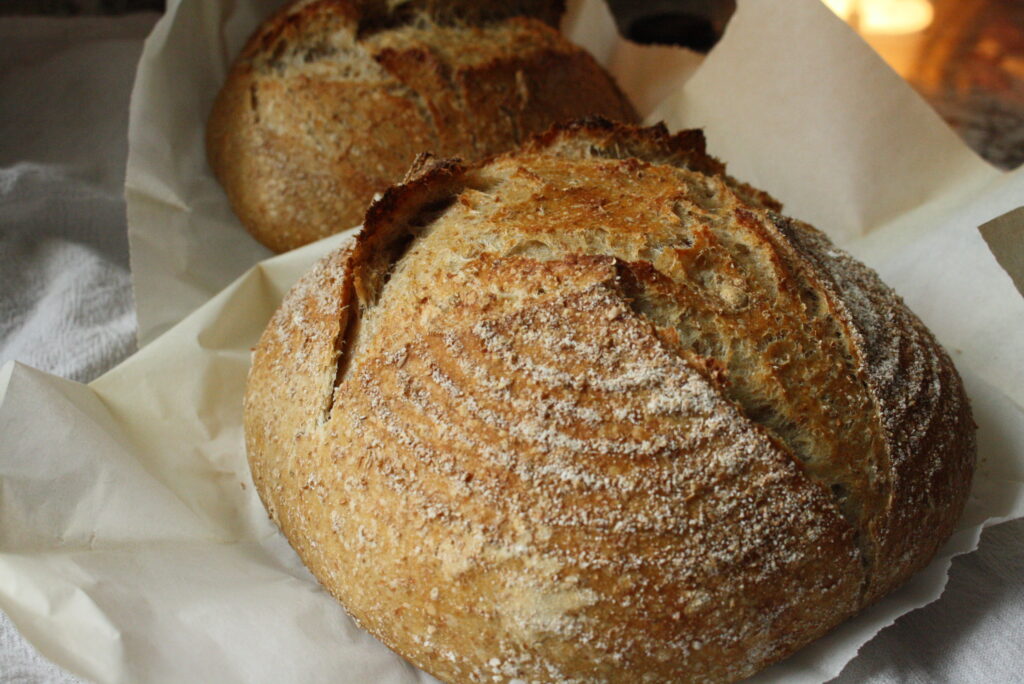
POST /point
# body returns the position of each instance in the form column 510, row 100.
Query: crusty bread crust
column 595, row 412
column 595, row 136
column 331, row 100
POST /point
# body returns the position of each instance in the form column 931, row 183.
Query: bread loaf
column 331, row 101
column 594, row 411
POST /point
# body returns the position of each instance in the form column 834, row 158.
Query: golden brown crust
column 595, row 136
column 588, row 417
column 925, row 417
column 331, row 100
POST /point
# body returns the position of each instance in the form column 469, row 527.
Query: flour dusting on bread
column 594, row 411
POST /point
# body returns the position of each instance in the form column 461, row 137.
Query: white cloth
column 65, row 294
column 65, row 307
column 65, row 302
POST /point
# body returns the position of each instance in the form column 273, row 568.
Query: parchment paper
column 132, row 546
column 1005, row 237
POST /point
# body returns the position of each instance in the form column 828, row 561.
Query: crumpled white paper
column 132, row 546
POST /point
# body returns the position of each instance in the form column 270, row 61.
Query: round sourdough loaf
column 594, row 411
column 331, row 100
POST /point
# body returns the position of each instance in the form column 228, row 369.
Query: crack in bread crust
column 602, row 419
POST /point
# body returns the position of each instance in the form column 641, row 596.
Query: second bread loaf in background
column 331, row 100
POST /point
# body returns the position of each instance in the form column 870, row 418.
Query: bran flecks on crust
column 595, row 412
column 330, row 101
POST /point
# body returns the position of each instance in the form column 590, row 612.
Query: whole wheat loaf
column 594, row 411
column 331, row 100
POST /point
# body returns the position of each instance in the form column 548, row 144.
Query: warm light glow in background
column 894, row 28
column 891, row 17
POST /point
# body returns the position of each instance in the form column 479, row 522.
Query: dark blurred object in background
column 695, row 24
column 79, row 6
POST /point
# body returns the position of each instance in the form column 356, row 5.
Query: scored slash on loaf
column 331, row 100
column 594, row 411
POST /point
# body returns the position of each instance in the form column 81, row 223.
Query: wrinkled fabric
column 65, row 305
column 65, row 294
